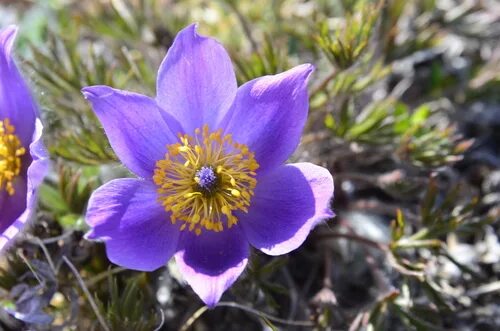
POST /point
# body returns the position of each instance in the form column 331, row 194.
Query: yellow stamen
column 180, row 190
column 11, row 151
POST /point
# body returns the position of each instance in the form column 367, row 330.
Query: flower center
column 11, row 151
column 204, row 179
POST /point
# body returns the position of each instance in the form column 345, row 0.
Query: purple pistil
column 207, row 180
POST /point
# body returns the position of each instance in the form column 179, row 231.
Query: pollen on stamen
column 204, row 179
column 11, row 151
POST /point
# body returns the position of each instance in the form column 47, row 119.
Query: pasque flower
column 209, row 157
column 23, row 160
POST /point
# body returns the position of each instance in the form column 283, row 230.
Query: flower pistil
column 11, row 151
column 204, row 179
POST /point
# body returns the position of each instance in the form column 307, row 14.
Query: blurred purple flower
column 210, row 160
column 23, row 160
column 31, row 301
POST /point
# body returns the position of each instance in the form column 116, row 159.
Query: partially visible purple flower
column 31, row 301
column 209, row 157
column 23, row 160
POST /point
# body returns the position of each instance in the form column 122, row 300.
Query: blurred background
column 404, row 111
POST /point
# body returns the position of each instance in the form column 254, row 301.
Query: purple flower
column 23, row 159
column 209, row 157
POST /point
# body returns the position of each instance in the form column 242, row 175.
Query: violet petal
column 17, row 105
column 136, row 229
column 16, row 101
column 289, row 201
column 136, row 128
column 212, row 261
column 269, row 113
column 196, row 81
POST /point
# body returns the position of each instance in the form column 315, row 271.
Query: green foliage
column 350, row 38
column 73, row 131
column 126, row 307
column 269, row 61
column 260, row 277
column 85, row 141
column 66, row 198
column 388, row 122
column 439, row 216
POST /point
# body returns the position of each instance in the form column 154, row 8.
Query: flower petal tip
column 192, row 27
column 7, row 37
column 97, row 91
column 90, row 235
column 211, row 304
column 307, row 69
column 191, row 32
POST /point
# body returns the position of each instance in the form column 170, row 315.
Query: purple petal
column 289, row 201
column 37, row 170
column 136, row 128
column 269, row 113
column 16, row 102
column 212, row 261
column 13, row 212
column 196, row 81
column 135, row 227
column 39, row 156
column 16, row 210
